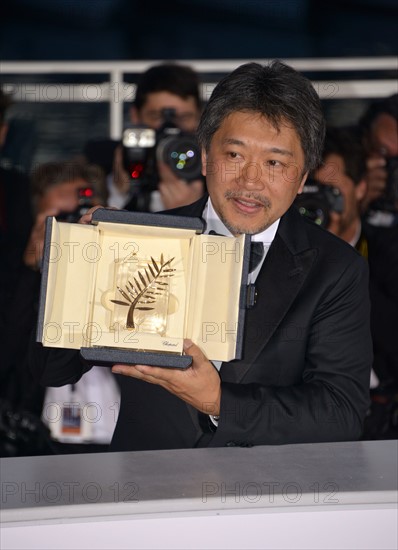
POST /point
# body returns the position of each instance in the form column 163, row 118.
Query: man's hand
column 199, row 385
column 175, row 191
column 88, row 216
column 121, row 178
column 33, row 253
column 376, row 178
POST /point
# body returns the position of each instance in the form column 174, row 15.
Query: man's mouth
column 248, row 205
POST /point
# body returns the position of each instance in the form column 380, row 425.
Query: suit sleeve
column 55, row 367
column 329, row 400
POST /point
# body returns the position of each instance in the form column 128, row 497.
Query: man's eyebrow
column 278, row 150
column 233, row 141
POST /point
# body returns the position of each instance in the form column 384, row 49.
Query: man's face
column 333, row 173
column 62, row 197
column 384, row 136
column 253, row 171
column 187, row 112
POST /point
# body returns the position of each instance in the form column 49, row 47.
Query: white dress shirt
column 213, row 223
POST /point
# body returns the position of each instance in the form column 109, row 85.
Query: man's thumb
column 192, row 349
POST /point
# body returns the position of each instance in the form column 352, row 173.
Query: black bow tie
column 256, row 252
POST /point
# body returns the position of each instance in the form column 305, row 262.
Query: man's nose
column 251, row 176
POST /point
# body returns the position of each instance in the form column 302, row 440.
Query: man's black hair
column 276, row 91
column 180, row 80
column 388, row 106
column 346, row 143
column 54, row 173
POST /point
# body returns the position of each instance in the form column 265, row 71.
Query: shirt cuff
column 214, row 419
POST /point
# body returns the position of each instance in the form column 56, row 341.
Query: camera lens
column 314, row 213
column 182, row 154
column 317, row 200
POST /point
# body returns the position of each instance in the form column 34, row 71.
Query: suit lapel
column 287, row 265
column 280, row 279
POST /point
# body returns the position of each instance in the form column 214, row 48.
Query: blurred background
column 70, row 68
column 211, row 29
column 58, row 106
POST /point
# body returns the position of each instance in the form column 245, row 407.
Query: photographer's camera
column 317, row 201
column 144, row 147
column 85, row 199
column 389, row 201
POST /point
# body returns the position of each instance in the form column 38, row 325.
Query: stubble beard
column 238, row 229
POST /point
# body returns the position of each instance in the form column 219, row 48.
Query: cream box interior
column 138, row 287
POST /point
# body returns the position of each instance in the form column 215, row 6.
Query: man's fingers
column 88, row 216
column 192, row 349
column 165, row 172
column 142, row 372
column 375, row 162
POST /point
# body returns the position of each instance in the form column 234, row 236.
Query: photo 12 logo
column 269, row 492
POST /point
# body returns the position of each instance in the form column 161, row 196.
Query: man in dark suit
column 344, row 167
column 304, row 375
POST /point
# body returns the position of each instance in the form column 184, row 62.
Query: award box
column 130, row 286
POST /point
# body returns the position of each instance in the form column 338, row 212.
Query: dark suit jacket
column 383, row 288
column 305, row 372
column 16, row 222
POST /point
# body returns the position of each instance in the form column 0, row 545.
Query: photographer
column 379, row 133
column 55, row 192
column 167, row 96
column 65, row 190
column 344, row 167
column 14, row 229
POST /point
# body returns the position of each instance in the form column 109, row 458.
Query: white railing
column 114, row 90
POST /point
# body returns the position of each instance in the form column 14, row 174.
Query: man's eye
column 233, row 155
column 274, row 163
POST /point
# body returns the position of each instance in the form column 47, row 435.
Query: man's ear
column 360, row 190
column 204, row 162
column 302, row 183
column 133, row 112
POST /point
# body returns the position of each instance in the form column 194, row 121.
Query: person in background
column 344, row 167
column 16, row 220
column 163, row 88
column 65, row 190
column 307, row 354
column 379, row 133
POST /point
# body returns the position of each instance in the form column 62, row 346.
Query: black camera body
column 144, row 147
column 317, row 201
column 85, row 197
